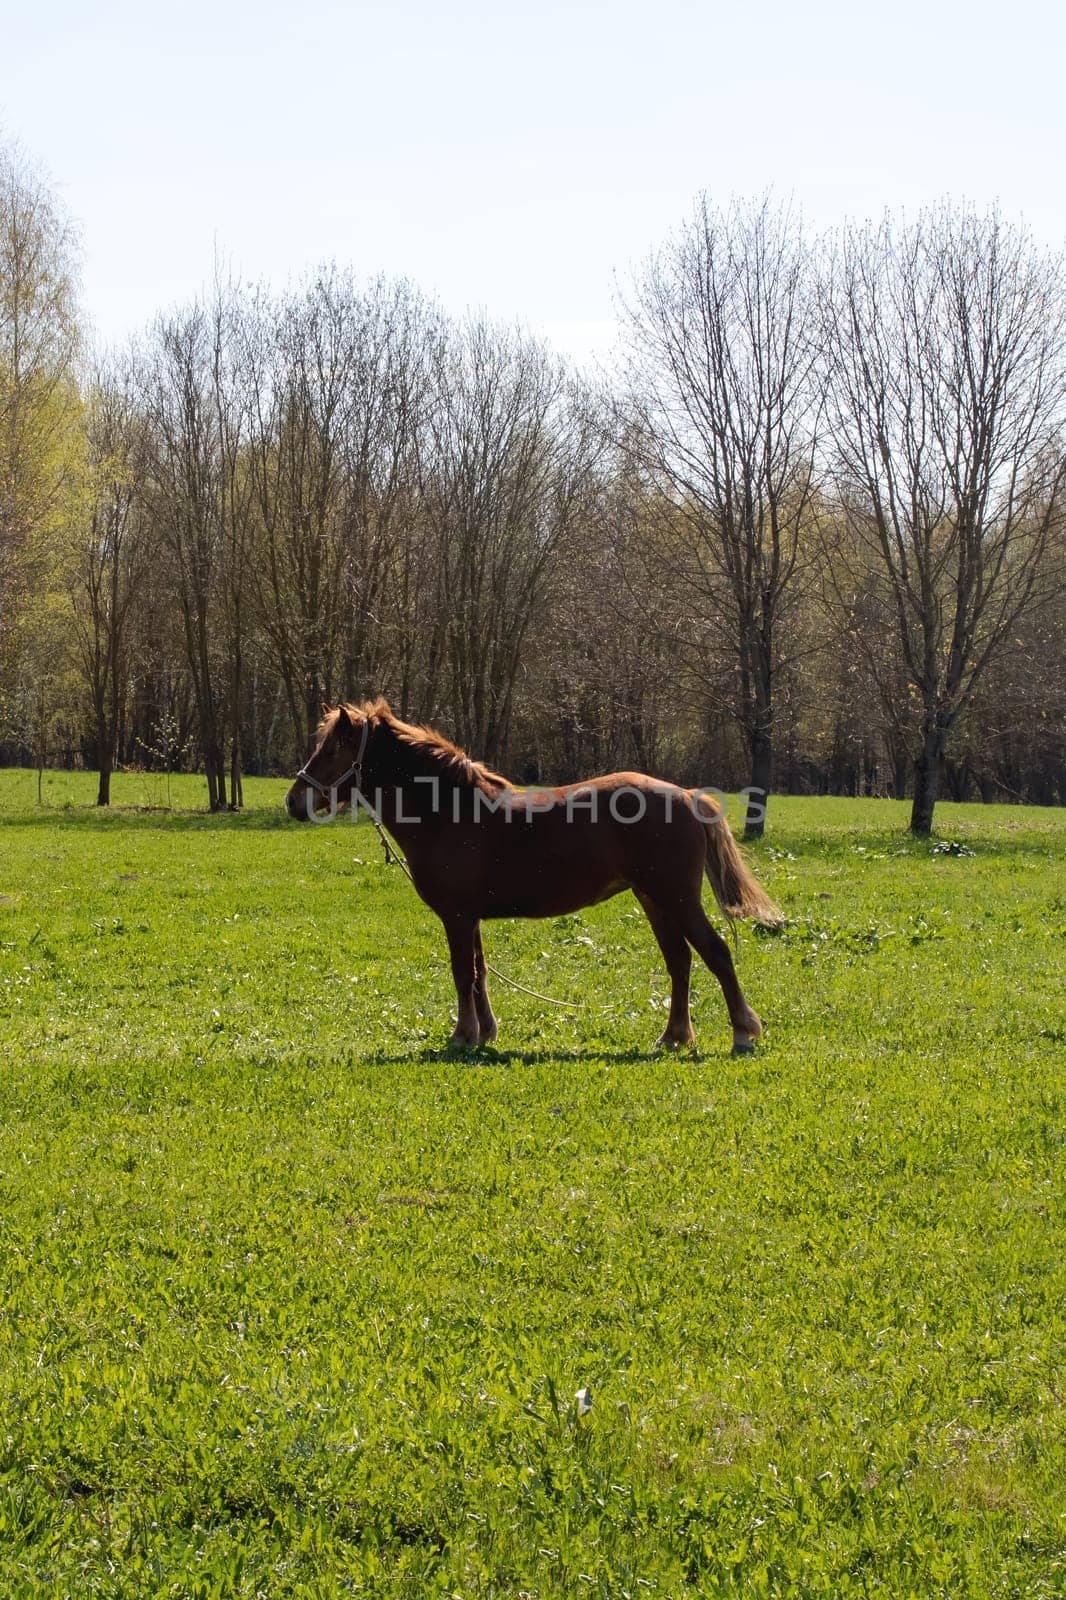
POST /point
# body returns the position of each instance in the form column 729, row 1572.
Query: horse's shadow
column 489, row 1056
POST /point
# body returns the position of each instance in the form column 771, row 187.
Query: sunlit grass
column 294, row 1303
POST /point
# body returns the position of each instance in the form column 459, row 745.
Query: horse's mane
column 452, row 762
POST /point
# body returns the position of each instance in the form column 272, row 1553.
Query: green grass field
column 295, row 1304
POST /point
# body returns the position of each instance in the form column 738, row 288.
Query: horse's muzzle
column 296, row 803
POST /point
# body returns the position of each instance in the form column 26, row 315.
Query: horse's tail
column 736, row 888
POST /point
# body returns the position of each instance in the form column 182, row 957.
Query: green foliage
column 294, row 1303
column 41, row 441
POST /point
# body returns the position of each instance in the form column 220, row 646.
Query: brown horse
column 478, row 847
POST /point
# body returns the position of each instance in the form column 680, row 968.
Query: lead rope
column 392, row 854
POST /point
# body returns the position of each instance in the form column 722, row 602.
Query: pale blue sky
column 510, row 157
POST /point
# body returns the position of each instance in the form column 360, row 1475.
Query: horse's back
column 551, row 851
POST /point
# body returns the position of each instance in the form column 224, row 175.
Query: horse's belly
column 545, row 868
column 544, row 900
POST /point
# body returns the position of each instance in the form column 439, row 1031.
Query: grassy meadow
column 293, row 1303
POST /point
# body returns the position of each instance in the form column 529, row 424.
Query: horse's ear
column 326, row 708
column 344, row 721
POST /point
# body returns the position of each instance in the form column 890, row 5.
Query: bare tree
column 946, row 342
column 110, row 561
column 237, row 507
column 721, row 339
column 381, row 527
column 605, row 694
column 301, row 370
column 182, row 490
column 510, row 461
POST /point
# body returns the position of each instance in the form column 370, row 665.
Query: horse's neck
column 416, row 785
column 410, row 780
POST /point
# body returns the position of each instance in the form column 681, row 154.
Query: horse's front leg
column 461, row 932
column 487, row 1024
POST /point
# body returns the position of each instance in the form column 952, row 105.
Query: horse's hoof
column 743, row 1047
column 459, row 1041
column 670, row 1041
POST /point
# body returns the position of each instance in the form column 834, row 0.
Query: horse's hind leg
column 712, row 948
column 460, row 931
column 487, row 1024
column 678, row 958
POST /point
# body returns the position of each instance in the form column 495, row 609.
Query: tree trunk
column 104, row 753
column 215, row 768
column 236, row 781
column 926, row 781
column 107, row 725
column 757, row 794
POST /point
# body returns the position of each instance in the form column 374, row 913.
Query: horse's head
column 333, row 768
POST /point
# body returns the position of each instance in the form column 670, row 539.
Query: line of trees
column 809, row 534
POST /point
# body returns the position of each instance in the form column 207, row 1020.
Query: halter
column 355, row 771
